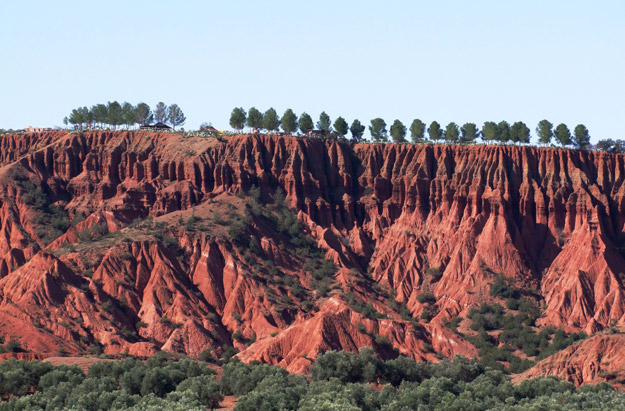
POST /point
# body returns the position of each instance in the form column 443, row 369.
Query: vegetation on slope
column 338, row 380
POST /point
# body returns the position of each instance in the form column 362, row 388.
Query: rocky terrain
column 280, row 248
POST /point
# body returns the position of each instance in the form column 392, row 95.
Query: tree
column 469, row 133
column 75, row 117
column 254, row 119
column 434, row 131
column 143, row 114
column 489, row 131
column 305, row 123
column 544, row 131
column 357, row 130
column 341, row 127
column 520, row 133
column 87, row 115
column 398, row 132
column 175, row 116
column 563, row 134
column 581, row 137
column 237, row 118
column 452, row 133
column 289, row 121
column 128, row 114
column 417, row 131
column 503, row 131
column 100, row 113
column 605, row 145
column 377, row 129
column 160, row 112
column 65, row 120
column 271, row 122
column 324, row 124
column 115, row 116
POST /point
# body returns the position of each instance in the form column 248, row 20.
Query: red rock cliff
column 551, row 219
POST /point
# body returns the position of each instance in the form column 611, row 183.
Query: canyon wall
column 387, row 216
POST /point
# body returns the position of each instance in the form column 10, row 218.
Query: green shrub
column 503, row 288
column 426, row 297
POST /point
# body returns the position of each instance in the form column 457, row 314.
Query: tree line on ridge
column 115, row 114
column 468, row 133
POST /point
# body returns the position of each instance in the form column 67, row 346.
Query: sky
column 460, row 61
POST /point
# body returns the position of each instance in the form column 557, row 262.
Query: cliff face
column 388, row 216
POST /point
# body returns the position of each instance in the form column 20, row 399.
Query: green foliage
column 271, row 122
column 520, row 133
column 357, row 130
column 205, row 387
column 435, row 273
column 341, row 127
column 254, row 119
column 581, row 138
column 362, row 307
column 52, row 219
column 289, row 121
column 305, row 123
column 544, row 131
column 339, row 380
column 563, row 135
column 143, row 114
column 175, row 116
column 377, row 129
column 324, row 124
column 469, row 133
column 426, row 298
column 452, row 133
column 435, row 132
column 487, row 317
column 398, row 132
column 116, row 114
column 490, row 131
column 417, row 131
column 503, row 288
column 160, row 112
column 237, row 118
column 503, row 131
column 612, row 146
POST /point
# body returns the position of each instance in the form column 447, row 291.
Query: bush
column 503, row 288
column 205, row 387
column 487, row 317
column 426, row 297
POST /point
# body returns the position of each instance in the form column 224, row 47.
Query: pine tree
column 237, row 118
column 563, row 134
column 324, row 124
column 469, row 133
column 452, row 133
column 289, row 121
column 377, row 129
column 398, row 132
column 341, row 127
column 417, row 131
column 160, row 112
column 175, row 116
column 581, row 137
column 357, row 130
column 544, row 131
column 305, row 123
column 254, row 119
column 434, row 131
column 271, row 122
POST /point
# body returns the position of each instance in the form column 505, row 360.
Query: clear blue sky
column 446, row 60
